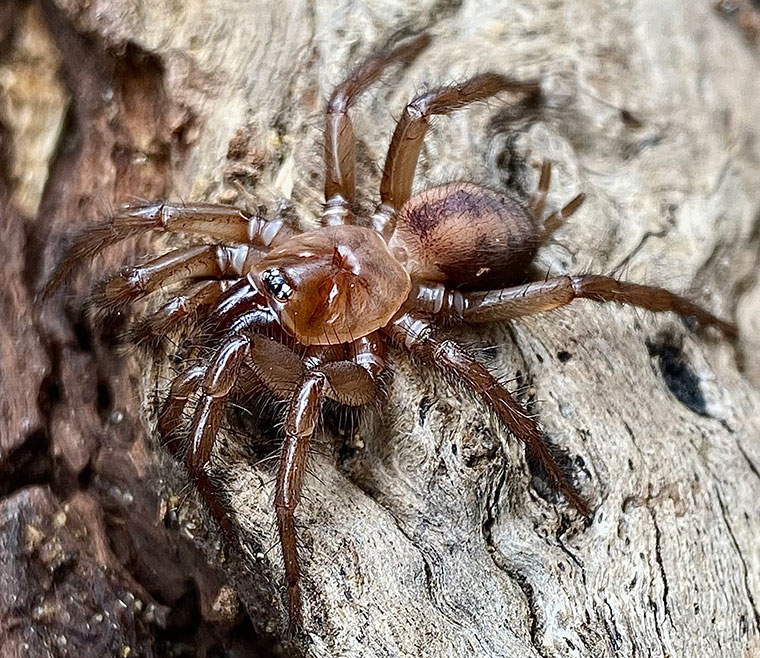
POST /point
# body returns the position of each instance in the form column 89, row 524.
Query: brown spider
column 307, row 316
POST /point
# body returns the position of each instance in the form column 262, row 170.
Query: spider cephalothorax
column 332, row 285
column 308, row 316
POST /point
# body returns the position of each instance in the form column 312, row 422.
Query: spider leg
column 270, row 361
column 183, row 387
column 240, row 308
column 404, row 150
column 196, row 299
column 414, row 334
column 207, row 261
column 325, row 373
column 303, row 412
column 339, row 133
column 536, row 297
column 170, row 417
column 551, row 223
column 348, row 382
column 218, row 380
column 217, row 222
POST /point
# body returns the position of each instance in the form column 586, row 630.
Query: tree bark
column 424, row 531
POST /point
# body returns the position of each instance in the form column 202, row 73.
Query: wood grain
column 425, row 533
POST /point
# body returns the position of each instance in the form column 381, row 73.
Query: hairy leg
column 531, row 298
column 330, row 374
column 240, row 308
column 414, row 334
column 404, row 150
column 193, row 301
column 217, row 222
column 348, row 382
column 213, row 383
column 302, row 416
column 218, row 380
column 114, row 294
column 339, row 132
column 183, row 387
column 211, row 386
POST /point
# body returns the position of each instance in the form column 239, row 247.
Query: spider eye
column 276, row 284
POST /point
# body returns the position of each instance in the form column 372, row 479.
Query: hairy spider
column 308, row 315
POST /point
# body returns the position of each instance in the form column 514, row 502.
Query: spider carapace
column 308, row 316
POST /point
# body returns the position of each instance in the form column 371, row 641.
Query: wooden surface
column 424, row 533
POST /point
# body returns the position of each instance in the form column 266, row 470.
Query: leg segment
column 339, row 133
column 519, row 301
column 217, row 382
column 193, row 300
column 221, row 223
column 183, row 387
column 302, row 416
column 241, row 308
column 114, row 294
column 544, row 182
column 414, row 334
column 348, row 382
column 551, row 223
column 404, row 150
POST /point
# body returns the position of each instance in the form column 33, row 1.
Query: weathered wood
column 426, row 534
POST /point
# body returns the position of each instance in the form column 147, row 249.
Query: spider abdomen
column 466, row 235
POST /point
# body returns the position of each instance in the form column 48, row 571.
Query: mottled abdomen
column 465, row 235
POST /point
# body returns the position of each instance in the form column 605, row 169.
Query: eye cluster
column 276, row 284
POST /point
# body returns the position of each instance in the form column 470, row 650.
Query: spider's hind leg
column 538, row 201
column 406, row 143
column 553, row 222
column 540, row 296
column 413, row 333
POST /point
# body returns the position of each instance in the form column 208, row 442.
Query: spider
column 308, row 316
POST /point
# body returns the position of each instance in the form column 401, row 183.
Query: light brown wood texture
column 424, row 533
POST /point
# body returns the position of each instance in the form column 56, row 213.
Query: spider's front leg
column 415, row 334
column 348, row 382
column 211, row 385
column 207, row 262
column 193, row 301
column 347, row 376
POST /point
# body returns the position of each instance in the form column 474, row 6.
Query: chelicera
column 308, row 316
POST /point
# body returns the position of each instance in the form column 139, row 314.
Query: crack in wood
column 502, row 563
column 658, row 559
column 740, row 555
